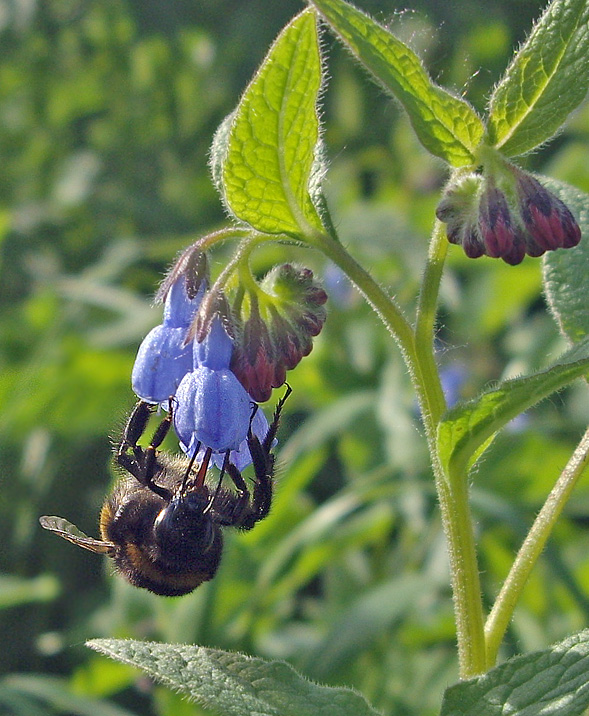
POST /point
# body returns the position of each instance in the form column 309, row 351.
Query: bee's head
column 185, row 528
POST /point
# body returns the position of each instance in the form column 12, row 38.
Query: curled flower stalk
column 217, row 362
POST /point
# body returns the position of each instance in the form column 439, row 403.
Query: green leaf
column 446, row 125
column 553, row 682
column 547, row 79
column 235, row 684
column 269, row 149
column 468, row 427
column 566, row 272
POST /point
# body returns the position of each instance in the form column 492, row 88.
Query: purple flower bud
column 495, row 223
column 279, row 324
column 482, row 214
column 255, row 363
column 471, row 243
column 548, row 220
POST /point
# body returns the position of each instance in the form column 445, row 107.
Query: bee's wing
column 71, row 533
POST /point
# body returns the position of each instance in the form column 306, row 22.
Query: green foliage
column 467, row 428
column 565, row 273
column 552, row 681
column 268, row 152
column 446, row 125
column 108, row 110
column 235, row 684
column 547, row 80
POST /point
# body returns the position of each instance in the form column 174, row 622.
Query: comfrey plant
column 222, row 345
column 212, row 359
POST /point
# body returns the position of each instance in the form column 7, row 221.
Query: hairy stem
column 532, row 548
column 418, row 352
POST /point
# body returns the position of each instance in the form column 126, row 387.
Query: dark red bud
column 547, row 219
column 472, row 244
column 516, row 253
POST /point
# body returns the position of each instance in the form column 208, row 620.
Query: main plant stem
column 417, row 348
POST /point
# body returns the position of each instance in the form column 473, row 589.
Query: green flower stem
column 215, row 237
column 532, row 548
column 430, row 287
column 452, row 490
column 466, row 587
column 385, row 306
column 418, row 353
column 425, row 323
column 241, row 255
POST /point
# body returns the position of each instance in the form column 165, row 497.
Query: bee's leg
column 143, row 463
column 158, row 438
column 273, row 428
column 219, row 483
column 237, row 512
column 245, row 512
column 134, row 429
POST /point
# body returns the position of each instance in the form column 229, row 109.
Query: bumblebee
column 162, row 524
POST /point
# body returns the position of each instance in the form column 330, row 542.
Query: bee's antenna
column 204, row 466
column 218, row 488
column 189, row 468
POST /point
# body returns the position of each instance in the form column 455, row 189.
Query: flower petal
column 216, row 348
column 241, row 457
column 162, row 362
column 213, row 409
column 179, row 309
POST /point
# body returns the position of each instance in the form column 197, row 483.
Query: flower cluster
column 280, row 318
column 216, row 362
column 506, row 216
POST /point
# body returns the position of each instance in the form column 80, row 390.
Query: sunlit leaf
column 265, row 156
column 553, row 682
column 235, row 684
column 467, row 427
column 446, row 125
column 547, row 79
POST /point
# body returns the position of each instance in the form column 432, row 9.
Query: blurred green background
column 107, row 111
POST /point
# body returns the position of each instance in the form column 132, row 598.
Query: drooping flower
column 548, row 220
column 213, row 408
column 506, row 215
column 164, row 358
column 279, row 321
column 501, row 233
column 241, row 457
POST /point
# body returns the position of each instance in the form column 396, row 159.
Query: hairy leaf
column 566, row 273
column 553, row 682
column 268, row 150
column 446, row 125
column 467, row 427
column 548, row 78
column 235, row 684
